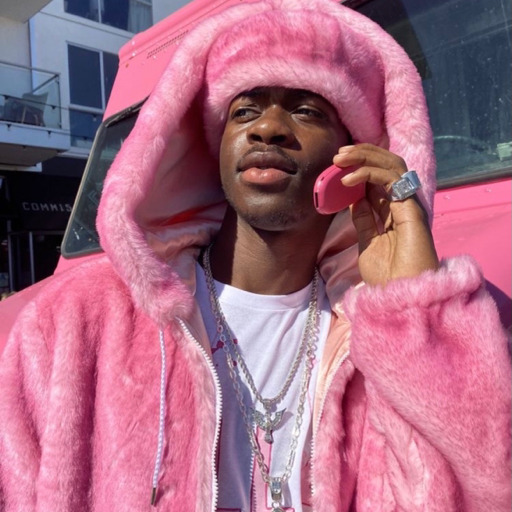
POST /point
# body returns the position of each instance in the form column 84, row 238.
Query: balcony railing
column 29, row 96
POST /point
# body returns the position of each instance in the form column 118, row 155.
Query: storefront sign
column 42, row 202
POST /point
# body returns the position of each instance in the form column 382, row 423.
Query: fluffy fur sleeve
column 24, row 385
column 47, row 382
column 435, row 358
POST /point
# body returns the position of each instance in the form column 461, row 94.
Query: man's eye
column 309, row 112
column 243, row 113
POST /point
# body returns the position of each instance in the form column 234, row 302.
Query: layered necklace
column 267, row 420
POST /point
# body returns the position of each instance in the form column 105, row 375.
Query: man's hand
column 394, row 236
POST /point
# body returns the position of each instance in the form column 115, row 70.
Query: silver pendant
column 276, row 491
column 268, row 423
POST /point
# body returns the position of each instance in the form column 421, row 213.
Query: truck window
column 81, row 236
column 461, row 49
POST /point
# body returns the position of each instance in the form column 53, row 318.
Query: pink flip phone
column 330, row 195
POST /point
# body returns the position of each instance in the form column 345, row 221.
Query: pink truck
column 461, row 49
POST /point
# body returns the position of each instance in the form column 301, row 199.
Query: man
column 275, row 142
column 276, row 383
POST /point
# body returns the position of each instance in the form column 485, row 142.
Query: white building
column 58, row 60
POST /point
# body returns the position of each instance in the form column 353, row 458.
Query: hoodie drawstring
column 161, row 421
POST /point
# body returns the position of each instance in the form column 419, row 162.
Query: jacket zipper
column 316, row 425
column 218, row 411
column 252, row 485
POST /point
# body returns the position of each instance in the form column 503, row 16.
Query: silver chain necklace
column 265, row 421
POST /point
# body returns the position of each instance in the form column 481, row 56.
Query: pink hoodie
column 412, row 411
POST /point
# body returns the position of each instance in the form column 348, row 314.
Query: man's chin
column 272, row 213
column 278, row 220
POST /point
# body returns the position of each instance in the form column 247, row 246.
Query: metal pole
column 31, row 249
column 10, row 256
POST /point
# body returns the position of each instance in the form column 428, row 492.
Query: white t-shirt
column 268, row 330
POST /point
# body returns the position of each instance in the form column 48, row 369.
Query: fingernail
column 345, row 149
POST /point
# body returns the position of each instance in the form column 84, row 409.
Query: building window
column 91, row 76
column 131, row 15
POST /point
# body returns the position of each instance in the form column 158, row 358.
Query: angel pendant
column 268, row 423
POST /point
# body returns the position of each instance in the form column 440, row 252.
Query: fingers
column 378, row 200
column 374, row 165
column 365, row 223
column 394, row 236
column 379, row 169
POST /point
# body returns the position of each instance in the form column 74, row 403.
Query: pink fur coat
column 416, row 419
column 412, row 411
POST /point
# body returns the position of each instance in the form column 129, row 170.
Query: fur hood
column 162, row 199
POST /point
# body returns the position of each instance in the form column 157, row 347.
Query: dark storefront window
column 34, row 256
column 32, row 223
column 6, row 214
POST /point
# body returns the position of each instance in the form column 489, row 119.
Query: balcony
column 21, row 11
column 30, row 116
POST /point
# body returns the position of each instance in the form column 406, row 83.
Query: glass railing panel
column 29, row 96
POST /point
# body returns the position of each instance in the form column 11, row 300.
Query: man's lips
column 270, row 168
column 267, row 160
column 265, row 177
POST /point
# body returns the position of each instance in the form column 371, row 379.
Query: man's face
column 275, row 144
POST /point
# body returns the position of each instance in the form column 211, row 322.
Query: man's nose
column 272, row 127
